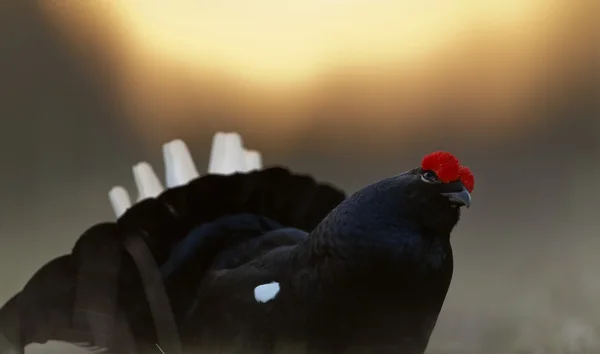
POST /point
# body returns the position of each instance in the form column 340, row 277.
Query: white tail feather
column 146, row 181
column 179, row 165
column 253, row 160
column 217, row 153
column 227, row 156
column 119, row 199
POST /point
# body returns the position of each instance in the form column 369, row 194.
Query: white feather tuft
column 179, row 165
column 227, row 156
column 253, row 160
column 146, row 180
column 217, row 152
column 119, row 199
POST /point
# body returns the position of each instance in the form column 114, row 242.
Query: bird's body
column 326, row 302
column 363, row 274
column 361, row 279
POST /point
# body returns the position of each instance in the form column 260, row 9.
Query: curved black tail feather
column 291, row 199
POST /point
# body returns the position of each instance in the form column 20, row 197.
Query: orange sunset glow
column 270, row 41
column 289, row 63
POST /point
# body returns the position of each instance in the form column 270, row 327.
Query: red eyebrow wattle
column 448, row 168
column 467, row 178
column 444, row 164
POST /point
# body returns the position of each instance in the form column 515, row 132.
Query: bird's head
column 435, row 191
column 428, row 197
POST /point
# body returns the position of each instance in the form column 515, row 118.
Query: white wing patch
column 266, row 292
column 227, row 156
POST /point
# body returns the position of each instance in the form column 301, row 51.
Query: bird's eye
column 429, row 177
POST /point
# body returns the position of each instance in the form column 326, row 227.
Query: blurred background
column 349, row 91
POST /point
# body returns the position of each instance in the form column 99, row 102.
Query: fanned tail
column 292, row 200
column 110, row 280
column 47, row 310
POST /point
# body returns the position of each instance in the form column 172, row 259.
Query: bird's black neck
column 376, row 216
column 372, row 231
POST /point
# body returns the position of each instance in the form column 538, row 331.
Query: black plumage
column 368, row 273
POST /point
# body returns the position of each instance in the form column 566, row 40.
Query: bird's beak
column 459, row 198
